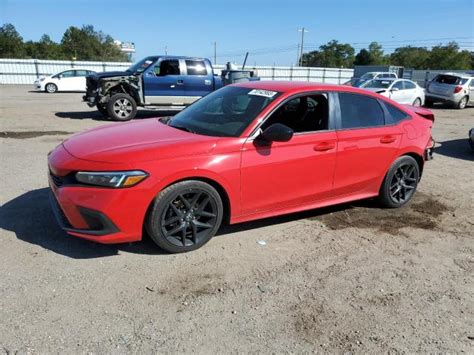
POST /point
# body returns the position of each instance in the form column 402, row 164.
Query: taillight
column 457, row 89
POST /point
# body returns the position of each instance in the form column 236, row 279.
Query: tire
column 462, row 103
column 121, row 107
column 400, row 183
column 417, row 102
column 50, row 88
column 185, row 216
column 103, row 110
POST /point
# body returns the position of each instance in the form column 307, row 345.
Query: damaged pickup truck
column 158, row 82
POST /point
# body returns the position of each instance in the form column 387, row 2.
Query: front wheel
column 122, row 107
column 51, row 88
column 185, row 216
column 400, row 183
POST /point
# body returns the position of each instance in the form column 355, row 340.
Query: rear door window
column 81, row 72
column 359, row 111
column 196, row 67
column 408, row 85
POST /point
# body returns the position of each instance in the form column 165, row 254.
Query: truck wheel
column 103, row 110
column 122, row 107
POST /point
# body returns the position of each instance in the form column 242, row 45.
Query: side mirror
column 394, row 89
column 277, row 132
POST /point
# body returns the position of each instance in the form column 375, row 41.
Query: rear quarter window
column 394, row 114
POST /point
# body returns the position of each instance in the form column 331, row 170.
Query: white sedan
column 68, row 80
column 402, row 91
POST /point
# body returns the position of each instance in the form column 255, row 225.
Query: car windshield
column 142, row 65
column 367, row 76
column 378, row 84
column 225, row 112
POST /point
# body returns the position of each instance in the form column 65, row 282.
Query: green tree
column 88, row 44
column 362, row 58
column 11, row 43
column 332, row 55
column 449, row 57
column 44, row 49
column 410, row 57
column 376, row 53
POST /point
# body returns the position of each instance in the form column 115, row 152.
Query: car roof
column 459, row 75
column 296, row 86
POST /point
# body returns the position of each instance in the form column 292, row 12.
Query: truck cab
column 163, row 82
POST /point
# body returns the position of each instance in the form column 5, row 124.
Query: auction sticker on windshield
column 264, row 93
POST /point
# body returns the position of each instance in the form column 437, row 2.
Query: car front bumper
column 104, row 215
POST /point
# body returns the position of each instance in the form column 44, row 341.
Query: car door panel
column 163, row 89
column 287, row 174
column 363, row 156
column 199, row 81
column 365, row 150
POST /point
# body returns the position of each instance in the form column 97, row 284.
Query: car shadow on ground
column 30, row 217
column 456, row 148
column 97, row 116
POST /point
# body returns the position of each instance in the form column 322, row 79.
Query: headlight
column 115, row 179
column 42, row 79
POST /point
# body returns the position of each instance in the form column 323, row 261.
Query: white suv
column 457, row 89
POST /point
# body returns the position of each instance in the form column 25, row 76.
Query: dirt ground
column 348, row 278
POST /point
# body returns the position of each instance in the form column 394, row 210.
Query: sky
column 267, row 29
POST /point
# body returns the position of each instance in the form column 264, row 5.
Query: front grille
column 57, row 180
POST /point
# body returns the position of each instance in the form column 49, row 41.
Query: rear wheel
column 185, row 216
column 400, row 183
column 417, row 102
column 462, row 103
column 50, row 88
column 122, row 107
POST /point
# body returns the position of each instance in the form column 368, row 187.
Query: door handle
column 387, row 139
column 180, row 82
column 324, row 146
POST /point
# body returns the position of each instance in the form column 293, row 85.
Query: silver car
column 457, row 89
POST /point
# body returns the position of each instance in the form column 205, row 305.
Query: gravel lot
column 349, row 278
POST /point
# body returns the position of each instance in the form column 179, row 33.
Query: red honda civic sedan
column 246, row 151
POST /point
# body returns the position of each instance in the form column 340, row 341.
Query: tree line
column 342, row 55
column 84, row 43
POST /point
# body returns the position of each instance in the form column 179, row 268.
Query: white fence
column 25, row 71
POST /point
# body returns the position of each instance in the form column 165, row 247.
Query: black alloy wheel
column 185, row 216
column 400, row 183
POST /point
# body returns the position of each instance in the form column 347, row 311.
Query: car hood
column 136, row 141
column 110, row 74
column 377, row 90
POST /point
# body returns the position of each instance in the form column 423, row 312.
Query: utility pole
column 215, row 53
column 302, row 30
column 166, row 50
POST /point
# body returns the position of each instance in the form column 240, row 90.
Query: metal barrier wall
column 25, row 71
